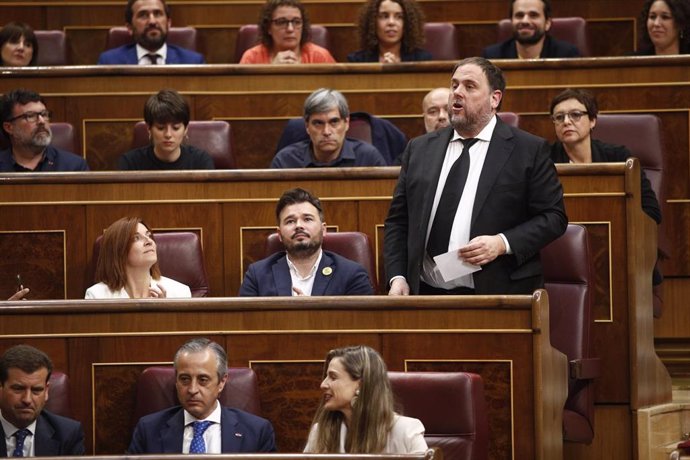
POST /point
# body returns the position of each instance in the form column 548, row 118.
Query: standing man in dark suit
column 148, row 22
column 27, row 429
column 531, row 20
column 304, row 268
column 494, row 210
column 201, row 425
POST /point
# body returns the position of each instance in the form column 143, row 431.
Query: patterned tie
column 19, row 447
column 450, row 199
column 197, row 446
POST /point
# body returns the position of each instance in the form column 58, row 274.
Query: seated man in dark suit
column 148, row 22
column 27, row 429
column 304, row 268
column 531, row 21
column 201, row 425
column 26, row 124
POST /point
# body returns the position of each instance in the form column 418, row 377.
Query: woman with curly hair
column 285, row 34
column 665, row 27
column 356, row 412
column 390, row 31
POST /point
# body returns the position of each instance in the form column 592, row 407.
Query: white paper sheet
column 452, row 266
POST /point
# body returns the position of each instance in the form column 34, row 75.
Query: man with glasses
column 327, row 119
column 26, row 124
column 148, row 22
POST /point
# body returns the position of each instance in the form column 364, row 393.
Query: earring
column 354, row 399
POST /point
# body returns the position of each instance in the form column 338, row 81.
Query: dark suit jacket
column 518, row 195
column 241, row 432
column 55, row 436
column 271, row 277
column 552, row 49
column 127, row 54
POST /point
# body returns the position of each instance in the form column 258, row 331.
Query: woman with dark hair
column 285, row 34
column 167, row 117
column 356, row 412
column 390, row 31
column 665, row 27
column 18, row 45
column 127, row 265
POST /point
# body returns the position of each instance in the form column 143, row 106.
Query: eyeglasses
column 283, row 22
column 32, row 117
column 575, row 116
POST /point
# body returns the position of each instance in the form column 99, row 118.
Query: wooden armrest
column 586, row 368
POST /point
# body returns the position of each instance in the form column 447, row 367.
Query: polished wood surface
column 284, row 340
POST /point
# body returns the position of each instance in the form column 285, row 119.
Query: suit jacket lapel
column 499, row 151
column 436, row 153
column 231, row 437
column 3, row 444
column 172, row 433
column 281, row 277
column 322, row 281
column 44, row 444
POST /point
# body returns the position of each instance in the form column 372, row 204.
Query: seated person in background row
column 574, row 114
column 390, row 31
column 664, row 27
column 26, row 123
column 304, row 268
column 167, row 117
column 356, row 412
column 127, row 265
column 285, row 33
column 435, row 109
column 18, row 45
column 201, row 425
column 531, row 21
column 27, row 430
column 327, row 119
column 148, row 22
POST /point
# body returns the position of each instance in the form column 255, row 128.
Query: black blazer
column 552, row 49
column 55, row 436
column 518, row 194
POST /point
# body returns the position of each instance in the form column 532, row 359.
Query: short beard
column 471, row 124
column 152, row 44
column 531, row 40
column 303, row 249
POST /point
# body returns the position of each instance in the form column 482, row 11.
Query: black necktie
column 448, row 204
column 19, row 446
column 153, row 58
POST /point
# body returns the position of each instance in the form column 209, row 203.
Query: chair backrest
column 180, row 257
column 568, row 279
column 572, row 30
column 52, row 47
column 184, row 37
column 509, row 118
column 248, row 36
column 441, row 40
column 352, row 245
column 452, row 408
column 63, row 137
column 360, row 129
column 156, row 391
column 58, row 401
column 215, row 137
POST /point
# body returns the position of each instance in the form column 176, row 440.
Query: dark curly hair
column 413, row 33
column 266, row 16
column 680, row 9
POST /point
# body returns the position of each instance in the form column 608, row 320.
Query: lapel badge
column 327, row 271
column 238, row 435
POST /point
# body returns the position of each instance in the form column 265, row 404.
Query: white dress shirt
column 212, row 435
column 173, row 289
column 142, row 54
column 304, row 284
column 11, row 441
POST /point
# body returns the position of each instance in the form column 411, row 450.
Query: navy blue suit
column 55, row 436
column 241, row 432
column 271, row 277
column 127, row 54
column 54, row 159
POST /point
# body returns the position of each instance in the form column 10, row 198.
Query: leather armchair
column 509, row 118
column 52, row 45
column 58, row 402
column 452, row 408
column 441, row 40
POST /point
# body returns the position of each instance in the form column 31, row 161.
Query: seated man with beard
column 531, row 20
column 26, row 124
column 304, row 268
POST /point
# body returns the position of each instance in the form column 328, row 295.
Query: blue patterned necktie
column 19, row 447
column 197, row 446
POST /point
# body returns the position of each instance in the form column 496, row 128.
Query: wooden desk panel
column 499, row 337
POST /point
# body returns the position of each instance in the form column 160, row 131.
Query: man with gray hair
column 201, row 425
column 327, row 119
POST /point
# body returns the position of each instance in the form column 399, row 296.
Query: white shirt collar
column 295, row 272
column 484, row 135
column 162, row 52
column 10, row 429
column 213, row 416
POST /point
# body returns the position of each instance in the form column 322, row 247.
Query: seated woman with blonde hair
column 128, row 265
column 356, row 413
